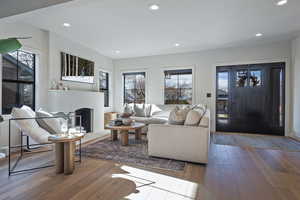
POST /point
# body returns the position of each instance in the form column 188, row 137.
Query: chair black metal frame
column 11, row 168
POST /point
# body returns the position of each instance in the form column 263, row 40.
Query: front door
column 250, row 98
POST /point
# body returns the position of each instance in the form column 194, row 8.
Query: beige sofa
column 187, row 143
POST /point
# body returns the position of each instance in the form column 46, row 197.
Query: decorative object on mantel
column 54, row 85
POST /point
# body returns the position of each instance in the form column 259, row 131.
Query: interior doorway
column 251, row 98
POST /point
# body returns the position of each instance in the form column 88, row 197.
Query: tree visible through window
column 104, row 86
column 134, row 87
column 178, row 86
column 18, row 80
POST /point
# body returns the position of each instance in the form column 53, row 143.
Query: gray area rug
column 257, row 141
column 135, row 153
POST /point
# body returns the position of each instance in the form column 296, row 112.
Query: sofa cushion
column 193, row 118
column 178, row 116
column 154, row 109
column 142, row 110
column 145, row 120
column 51, row 125
column 30, row 126
column 128, row 108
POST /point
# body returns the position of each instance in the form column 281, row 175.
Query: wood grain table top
column 65, row 137
column 133, row 126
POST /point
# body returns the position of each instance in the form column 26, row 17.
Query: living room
column 173, row 99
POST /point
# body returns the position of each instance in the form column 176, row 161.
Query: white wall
column 38, row 45
column 58, row 44
column 47, row 46
column 205, row 63
column 296, row 87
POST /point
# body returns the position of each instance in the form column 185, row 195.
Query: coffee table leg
column 69, row 148
column 59, row 157
column 114, row 135
column 124, row 135
column 138, row 134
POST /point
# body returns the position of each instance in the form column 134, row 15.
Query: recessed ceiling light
column 258, row 34
column 176, row 44
column 117, row 51
column 281, row 2
column 154, row 7
column 66, row 24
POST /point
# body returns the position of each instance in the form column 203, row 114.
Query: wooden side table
column 109, row 116
column 64, row 151
column 123, row 130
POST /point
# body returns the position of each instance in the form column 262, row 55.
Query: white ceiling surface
column 13, row 7
column 129, row 26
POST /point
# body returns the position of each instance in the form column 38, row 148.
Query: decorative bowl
column 127, row 121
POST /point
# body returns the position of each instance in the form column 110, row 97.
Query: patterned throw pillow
column 193, row 118
column 51, row 125
column 178, row 116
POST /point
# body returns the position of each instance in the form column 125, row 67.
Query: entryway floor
column 256, row 141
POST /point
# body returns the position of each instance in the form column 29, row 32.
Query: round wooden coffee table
column 123, row 130
column 64, row 151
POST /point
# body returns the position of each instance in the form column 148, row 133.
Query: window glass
column 18, row 80
column 241, row 78
column 134, row 87
column 255, row 78
column 178, row 86
column 104, row 86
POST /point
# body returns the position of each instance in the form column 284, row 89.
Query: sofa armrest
column 188, row 143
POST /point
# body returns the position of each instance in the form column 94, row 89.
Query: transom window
column 178, row 86
column 18, row 80
column 134, row 87
column 104, row 86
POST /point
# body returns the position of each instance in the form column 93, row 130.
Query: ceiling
column 130, row 27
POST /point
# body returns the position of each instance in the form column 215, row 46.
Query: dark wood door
column 250, row 98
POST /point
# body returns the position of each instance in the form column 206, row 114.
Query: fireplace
column 86, row 119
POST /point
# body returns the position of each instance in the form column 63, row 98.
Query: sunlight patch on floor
column 157, row 186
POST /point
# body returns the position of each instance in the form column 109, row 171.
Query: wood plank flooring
column 233, row 173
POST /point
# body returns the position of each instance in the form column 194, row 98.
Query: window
column 222, row 97
column 255, row 78
column 178, row 86
column 241, row 78
column 134, row 87
column 104, row 86
column 18, row 80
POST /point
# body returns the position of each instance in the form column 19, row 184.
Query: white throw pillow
column 128, row 108
column 52, row 125
column 140, row 110
column 178, row 116
column 193, row 118
column 154, row 109
column 30, row 126
column 29, row 110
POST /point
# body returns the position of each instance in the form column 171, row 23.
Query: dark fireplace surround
column 86, row 119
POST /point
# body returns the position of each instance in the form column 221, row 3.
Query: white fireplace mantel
column 71, row 100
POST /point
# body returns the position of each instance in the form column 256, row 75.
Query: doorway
column 251, row 98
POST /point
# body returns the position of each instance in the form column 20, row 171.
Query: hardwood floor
column 232, row 173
